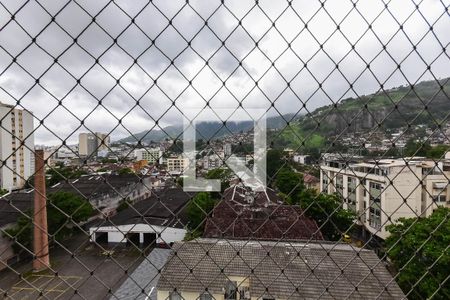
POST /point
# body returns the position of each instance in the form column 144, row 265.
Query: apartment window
column 374, row 185
column 375, row 218
column 231, row 290
column 351, row 188
column 340, row 184
column 440, row 198
column 324, row 183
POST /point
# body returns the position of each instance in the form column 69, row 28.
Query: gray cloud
column 170, row 44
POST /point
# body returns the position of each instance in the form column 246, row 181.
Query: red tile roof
column 308, row 178
column 259, row 215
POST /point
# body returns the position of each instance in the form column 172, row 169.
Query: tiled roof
column 90, row 187
column 259, row 215
column 280, row 271
column 308, row 178
column 162, row 208
column 141, row 283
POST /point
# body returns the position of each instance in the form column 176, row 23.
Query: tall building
column 16, row 146
column 103, row 141
column 89, row 143
column 380, row 192
column 227, row 149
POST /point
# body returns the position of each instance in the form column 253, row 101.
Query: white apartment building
column 151, row 155
column 176, row 165
column 16, row 146
column 103, row 141
column 381, row 192
column 212, row 162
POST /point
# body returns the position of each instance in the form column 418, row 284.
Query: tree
column 60, row 173
column 224, row 174
column 328, row 212
column 64, row 210
column 176, row 147
column 3, row 192
column 413, row 148
column 199, row 207
column 21, row 232
column 290, row 183
column 274, row 163
column 124, row 171
column 438, row 151
column 419, row 251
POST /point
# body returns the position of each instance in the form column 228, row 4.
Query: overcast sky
column 201, row 58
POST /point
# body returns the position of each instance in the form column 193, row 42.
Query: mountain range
column 427, row 102
column 207, row 130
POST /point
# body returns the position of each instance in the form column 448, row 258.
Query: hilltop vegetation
column 426, row 103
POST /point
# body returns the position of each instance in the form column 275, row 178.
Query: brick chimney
column 40, row 241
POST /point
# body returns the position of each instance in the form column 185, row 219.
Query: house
column 241, row 269
column 243, row 213
column 303, row 159
column 158, row 220
column 311, row 181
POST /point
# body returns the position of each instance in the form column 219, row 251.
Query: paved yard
column 47, row 286
column 88, row 275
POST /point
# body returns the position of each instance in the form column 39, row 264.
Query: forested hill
column 206, row 130
column 427, row 102
column 424, row 103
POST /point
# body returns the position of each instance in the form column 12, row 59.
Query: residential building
column 212, row 162
column 103, row 141
column 249, row 270
column 104, row 192
column 303, row 159
column 87, row 144
column 151, row 155
column 90, row 143
column 382, row 191
column 243, row 213
column 227, row 149
column 311, row 181
column 16, row 146
column 176, row 165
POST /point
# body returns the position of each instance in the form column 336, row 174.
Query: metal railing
column 356, row 94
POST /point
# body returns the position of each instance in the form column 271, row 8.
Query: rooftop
column 279, row 270
column 141, row 283
column 243, row 213
column 90, row 187
column 164, row 208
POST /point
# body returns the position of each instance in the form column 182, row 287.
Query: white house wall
column 118, row 234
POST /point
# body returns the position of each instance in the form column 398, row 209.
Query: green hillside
column 428, row 103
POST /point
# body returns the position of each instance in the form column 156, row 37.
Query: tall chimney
column 40, row 241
